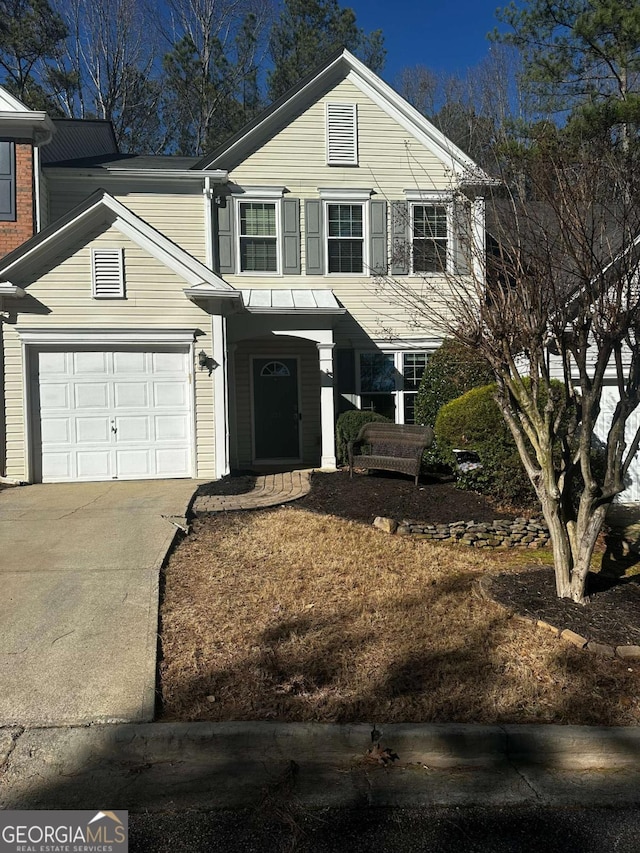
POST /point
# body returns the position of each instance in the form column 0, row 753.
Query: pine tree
column 307, row 31
column 30, row 33
column 581, row 60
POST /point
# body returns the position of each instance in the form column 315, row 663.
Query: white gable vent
column 342, row 135
column 107, row 273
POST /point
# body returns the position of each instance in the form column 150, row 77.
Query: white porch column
column 220, row 394
column 327, row 408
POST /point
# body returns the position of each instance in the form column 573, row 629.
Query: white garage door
column 608, row 405
column 117, row 414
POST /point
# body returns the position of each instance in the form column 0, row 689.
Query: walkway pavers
column 269, row 490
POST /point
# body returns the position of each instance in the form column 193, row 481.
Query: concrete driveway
column 79, row 569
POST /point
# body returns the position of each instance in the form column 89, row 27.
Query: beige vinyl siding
column 309, row 381
column 177, row 211
column 390, row 158
column 61, row 299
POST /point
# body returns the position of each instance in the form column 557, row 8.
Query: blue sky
column 443, row 36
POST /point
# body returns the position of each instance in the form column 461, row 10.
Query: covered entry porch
column 281, row 380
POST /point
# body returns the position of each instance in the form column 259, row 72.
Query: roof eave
column 217, row 175
column 38, row 123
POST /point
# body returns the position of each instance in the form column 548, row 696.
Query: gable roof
column 340, row 66
column 102, row 208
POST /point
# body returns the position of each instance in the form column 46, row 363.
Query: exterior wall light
column 202, row 359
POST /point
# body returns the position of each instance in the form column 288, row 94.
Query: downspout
column 37, row 188
column 207, row 192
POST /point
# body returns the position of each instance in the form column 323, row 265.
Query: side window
column 258, row 236
column 429, row 238
column 388, row 383
column 413, row 365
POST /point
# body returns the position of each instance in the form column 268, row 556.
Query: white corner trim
column 106, row 337
column 344, row 194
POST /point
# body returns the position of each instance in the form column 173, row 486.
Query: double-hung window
column 429, row 238
column 258, row 236
column 389, row 382
column 345, row 237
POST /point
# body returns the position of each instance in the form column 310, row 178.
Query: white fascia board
column 211, row 293
column 8, row 289
column 414, row 122
column 10, row 103
column 219, row 176
column 38, row 124
column 53, row 239
column 107, row 337
column 161, row 248
column 284, row 110
column 296, row 312
column 136, row 229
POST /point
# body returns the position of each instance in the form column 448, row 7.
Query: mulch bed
column 368, row 495
column 611, row 614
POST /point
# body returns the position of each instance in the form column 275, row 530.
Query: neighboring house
column 176, row 317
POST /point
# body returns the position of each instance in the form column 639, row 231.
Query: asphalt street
column 270, row 829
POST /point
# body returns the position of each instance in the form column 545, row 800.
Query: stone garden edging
column 626, row 653
column 501, row 533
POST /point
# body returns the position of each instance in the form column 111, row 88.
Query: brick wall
column 12, row 234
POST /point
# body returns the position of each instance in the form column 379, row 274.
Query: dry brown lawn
column 287, row 614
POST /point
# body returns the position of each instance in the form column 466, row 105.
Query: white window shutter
column 342, row 135
column 107, row 273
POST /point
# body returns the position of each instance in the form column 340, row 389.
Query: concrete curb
column 225, row 765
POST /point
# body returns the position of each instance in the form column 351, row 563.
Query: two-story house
column 176, row 317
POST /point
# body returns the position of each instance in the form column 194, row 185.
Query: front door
column 276, row 413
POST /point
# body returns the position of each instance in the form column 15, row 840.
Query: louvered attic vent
column 342, row 135
column 107, row 273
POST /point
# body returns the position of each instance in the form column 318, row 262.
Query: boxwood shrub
column 348, row 426
column 452, row 370
column 474, row 422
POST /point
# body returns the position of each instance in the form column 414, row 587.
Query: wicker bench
column 390, row 447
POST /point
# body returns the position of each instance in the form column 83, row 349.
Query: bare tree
column 556, row 295
column 210, row 71
column 474, row 110
column 107, row 70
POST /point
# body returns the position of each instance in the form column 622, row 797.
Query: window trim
column 256, row 199
column 432, row 201
column 398, row 394
column 364, row 204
